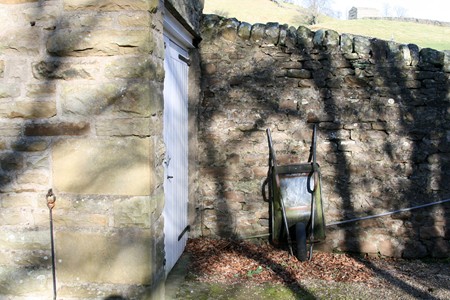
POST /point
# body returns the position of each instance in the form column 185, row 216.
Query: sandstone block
column 9, row 90
column 25, row 240
column 59, row 70
column 86, row 21
column 135, row 20
column 40, row 90
column 136, row 67
column 123, row 127
column 16, row 1
column 244, row 30
column 103, row 166
column 427, row 232
column 26, row 282
column 272, row 33
column 67, row 42
column 140, row 99
column 28, row 110
column 298, row 73
column 134, row 212
column 108, row 5
column 122, row 257
column 361, row 45
column 28, row 145
column 257, row 32
column 11, row 161
column 74, row 219
column 8, row 129
column 55, row 129
column 18, row 200
column 431, row 56
column 19, row 41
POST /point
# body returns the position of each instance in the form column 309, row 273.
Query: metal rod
column 387, row 213
column 53, row 254
column 51, row 199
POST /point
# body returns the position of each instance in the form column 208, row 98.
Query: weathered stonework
column 81, row 112
column 382, row 111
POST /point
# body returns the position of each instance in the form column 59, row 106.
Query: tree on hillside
column 400, row 12
column 315, row 8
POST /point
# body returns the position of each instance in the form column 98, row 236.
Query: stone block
column 75, row 219
column 26, row 282
column 257, row 33
column 19, row 41
column 361, row 45
column 10, row 129
column 40, row 90
column 16, row 1
column 432, row 57
column 124, row 127
column 103, row 166
column 12, row 217
column 67, row 42
column 18, row 200
column 135, row 20
column 272, row 33
column 121, row 257
column 9, row 90
column 56, row 129
column 108, row 5
column 134, row 212
column 136, row 67
column 244, row 30
column 58, row 70
column 86, row 21
column 25, row 240
column 427, row 232
column 27, row 110
column 139, row 99
column 30, row 145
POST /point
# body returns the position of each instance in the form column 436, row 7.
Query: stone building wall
column 363, row 12
column 383, row 116
column 81, row 101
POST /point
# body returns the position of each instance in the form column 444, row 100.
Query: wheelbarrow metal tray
column 296, row 185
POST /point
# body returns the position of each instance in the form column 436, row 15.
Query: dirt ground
column 222, row 269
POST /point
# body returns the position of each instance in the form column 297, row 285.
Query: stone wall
column 383, row 116
column 81, row 101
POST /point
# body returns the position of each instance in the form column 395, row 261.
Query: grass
column 256, row 11
column 264, row 11
column 423, row 35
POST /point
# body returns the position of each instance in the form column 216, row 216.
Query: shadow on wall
column 382, row 110
column 383, row 114
column 105, row 100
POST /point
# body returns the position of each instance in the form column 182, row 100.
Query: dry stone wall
column 81, row 101
column 383, row 116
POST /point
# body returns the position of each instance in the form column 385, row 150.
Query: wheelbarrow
column 295, row 203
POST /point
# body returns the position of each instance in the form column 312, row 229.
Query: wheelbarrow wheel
column 300, row 238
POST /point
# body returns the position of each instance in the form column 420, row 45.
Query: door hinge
column 184, row 59
column 188, row 228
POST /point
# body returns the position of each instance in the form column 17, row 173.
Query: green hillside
column 263, row 11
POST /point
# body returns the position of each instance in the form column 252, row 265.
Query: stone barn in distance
column 147, row 121
column 363, row 12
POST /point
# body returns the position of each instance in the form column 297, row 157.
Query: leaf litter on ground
column 230, row 261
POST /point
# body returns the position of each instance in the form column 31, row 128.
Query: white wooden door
column 176, row 160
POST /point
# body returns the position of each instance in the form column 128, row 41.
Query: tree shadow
column 32, row 132
column 242, row 77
